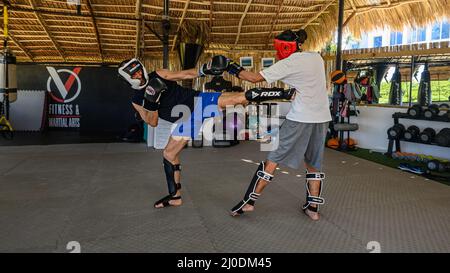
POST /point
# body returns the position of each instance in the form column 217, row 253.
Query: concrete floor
column 101, row 195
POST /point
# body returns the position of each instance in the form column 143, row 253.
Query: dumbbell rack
column 398, row 116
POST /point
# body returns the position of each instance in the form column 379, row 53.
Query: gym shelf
column 406, row 116
column 398, row 116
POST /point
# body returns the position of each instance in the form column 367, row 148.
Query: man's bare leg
column 270, row 168
column 314, row 189
column 231, row 99
column 171, row 153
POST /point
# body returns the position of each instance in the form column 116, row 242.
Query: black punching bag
column 395, row 94
column 424, row 96
column 189, row 55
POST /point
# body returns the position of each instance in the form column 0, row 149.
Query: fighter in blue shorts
column 157, row 95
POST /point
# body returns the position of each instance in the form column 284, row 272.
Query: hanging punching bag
column 395, row 94
column 8, row 79
column 424, row 96
column 189, row 54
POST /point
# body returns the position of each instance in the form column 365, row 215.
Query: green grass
column 382, row 159
column 440, row 91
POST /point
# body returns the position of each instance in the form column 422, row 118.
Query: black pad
column 170, row 170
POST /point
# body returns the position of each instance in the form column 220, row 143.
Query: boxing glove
column 234, row 68
column 215, row 67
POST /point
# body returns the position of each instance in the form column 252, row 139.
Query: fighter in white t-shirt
column 302, row 135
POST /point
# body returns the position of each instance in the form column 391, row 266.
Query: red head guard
column 284, row 48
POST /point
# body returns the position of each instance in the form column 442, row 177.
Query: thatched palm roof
column 111, row 30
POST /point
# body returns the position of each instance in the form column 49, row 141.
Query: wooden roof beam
column 42, row 23
column 389, row 5
column 242, row 20
column 97, row 35
column 186, row 6
column 19, row 45
column 139, row 29
column 324, row 8
column 211, row 10
column 273, row 20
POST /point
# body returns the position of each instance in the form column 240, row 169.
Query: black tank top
column 175, row 95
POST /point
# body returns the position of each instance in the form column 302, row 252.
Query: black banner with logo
column 87, row 99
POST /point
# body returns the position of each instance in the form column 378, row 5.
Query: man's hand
column 215, row 67
column 234, row 68
column 153, row 93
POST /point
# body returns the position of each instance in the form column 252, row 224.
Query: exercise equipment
column 395, row 94
column 333, row 143
column 427, row 135
column 218, row 84
column 443, row 137
column 431, row 112
column 411, row 133
column 424, row 96
column 415, row 111
column 396, row 131
column 346, row 126
column 338, row 77
column 438, row 166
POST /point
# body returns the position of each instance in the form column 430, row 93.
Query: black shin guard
column 310, row 199
column 170, row 170
column 264, row 94
column 172, row 186
column 251, row 196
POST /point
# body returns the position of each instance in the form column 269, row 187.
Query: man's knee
column 169, row 155
column 270, row 166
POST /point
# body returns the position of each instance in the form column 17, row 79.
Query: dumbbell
column 443, row 137
column 427, row 135
column 415, row 111
column 411, row 133
column 437, row 166
column 445, row 107
column 396, row 131
column 431, row 112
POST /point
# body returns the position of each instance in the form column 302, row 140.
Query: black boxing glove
column 234, row 68
column 215, row 67
column 149, row 97
column 154, row 89
column 139, row 99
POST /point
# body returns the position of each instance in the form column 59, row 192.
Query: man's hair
column 288, row 35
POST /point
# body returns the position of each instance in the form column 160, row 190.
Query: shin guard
column 310, row 199
column 170, row 170
column 251, row 196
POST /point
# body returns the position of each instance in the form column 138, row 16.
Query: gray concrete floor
column 101, row 195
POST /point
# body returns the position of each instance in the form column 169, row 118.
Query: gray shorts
column 300, row 142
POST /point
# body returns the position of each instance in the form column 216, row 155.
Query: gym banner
column 85, row 98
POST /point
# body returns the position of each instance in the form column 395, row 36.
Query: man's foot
column 168, row 201
column 245, row 208
column 312, row 214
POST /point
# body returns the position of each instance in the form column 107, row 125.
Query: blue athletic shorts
column 205, row 106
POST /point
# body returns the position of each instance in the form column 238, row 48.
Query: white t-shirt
column 304, row 71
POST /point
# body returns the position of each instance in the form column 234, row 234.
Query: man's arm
column 178, row 75
column 251, row 76
column 149, row 117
